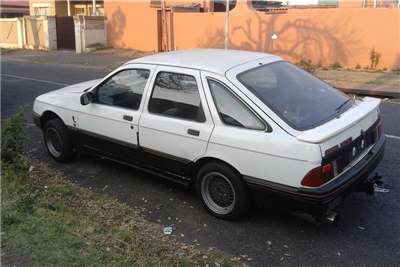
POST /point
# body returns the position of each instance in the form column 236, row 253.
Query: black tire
column 58, row 141
column 217, row 178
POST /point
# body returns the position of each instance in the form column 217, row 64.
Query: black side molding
column 36, row 119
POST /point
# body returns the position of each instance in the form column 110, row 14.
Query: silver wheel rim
column 218, row 193
column 54, row 142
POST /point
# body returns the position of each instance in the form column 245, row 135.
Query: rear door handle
column 128, row 118
column 193, row 132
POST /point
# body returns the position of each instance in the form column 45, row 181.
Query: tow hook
column 372, row 185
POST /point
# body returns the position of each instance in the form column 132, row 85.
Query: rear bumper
column 330, row 194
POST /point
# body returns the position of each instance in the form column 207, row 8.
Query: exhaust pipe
column 371, row 184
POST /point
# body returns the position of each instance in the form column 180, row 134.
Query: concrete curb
column 365, row 92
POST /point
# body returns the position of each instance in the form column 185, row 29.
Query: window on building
column 381, row 3
column 263, row 5
column 329, row 3
column 220, row 5
column 100, row 10
column 80, row 10
column 176, row 95
column 41, row 11
column 87, row 10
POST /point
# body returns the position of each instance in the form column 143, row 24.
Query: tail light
column 338, row 157
column 318, row 176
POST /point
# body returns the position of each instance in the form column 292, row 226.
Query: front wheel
column 222, row 191
column 58, row 141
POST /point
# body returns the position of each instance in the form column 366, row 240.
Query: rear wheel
column 58, row 141
column 222, row 190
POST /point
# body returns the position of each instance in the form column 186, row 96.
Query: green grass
column 46, row 220
column 53, row 222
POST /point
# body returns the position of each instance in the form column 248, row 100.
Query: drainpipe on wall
column 94, row 13
column 69, row 7
column 226, row 24
column 79, row 39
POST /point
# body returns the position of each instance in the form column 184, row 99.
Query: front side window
column 124, row 89
column 299, row 98
column 176, row 95
column 231, row 110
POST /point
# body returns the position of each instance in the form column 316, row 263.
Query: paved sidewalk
column 382, row 84
column 107, row 59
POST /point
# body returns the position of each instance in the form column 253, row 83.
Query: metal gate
column 65, row 33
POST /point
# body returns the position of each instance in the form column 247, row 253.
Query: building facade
column 14, row 8
column 65, row 7
column 325, row 32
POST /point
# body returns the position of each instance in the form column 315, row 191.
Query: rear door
column 175, row 125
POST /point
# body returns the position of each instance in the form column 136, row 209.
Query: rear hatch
column 347, row 138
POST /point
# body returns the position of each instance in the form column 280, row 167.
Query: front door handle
column 128, row 118
column 193, row 132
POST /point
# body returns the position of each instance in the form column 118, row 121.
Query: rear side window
column 231, row 110
column 124, row 89
column 176, row 95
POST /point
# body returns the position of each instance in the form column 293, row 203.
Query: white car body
column 281, row 156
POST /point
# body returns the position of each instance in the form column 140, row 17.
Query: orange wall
column 350, row 3
column 344, row 35
column 131, row 24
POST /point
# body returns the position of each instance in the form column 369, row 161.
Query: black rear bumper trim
column 326, row 194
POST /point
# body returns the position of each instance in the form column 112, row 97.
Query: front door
column 109, row 125
column 176, row 124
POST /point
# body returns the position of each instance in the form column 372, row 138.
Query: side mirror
column 86, row 98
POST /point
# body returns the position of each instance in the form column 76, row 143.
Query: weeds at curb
column 50, row 221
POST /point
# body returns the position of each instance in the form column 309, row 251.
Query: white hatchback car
column 225, row 122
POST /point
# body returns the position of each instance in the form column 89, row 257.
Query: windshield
column 299, row 98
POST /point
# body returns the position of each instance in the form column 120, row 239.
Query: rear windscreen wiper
column 342, row 105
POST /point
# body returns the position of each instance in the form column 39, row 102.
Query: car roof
column 213, row 60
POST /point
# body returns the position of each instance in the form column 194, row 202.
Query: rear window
column 296, row 96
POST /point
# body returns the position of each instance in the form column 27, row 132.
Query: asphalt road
column 368, row 233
